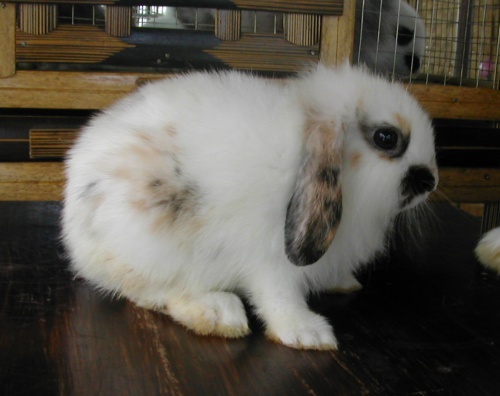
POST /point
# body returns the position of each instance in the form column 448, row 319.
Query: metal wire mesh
column 462, row 45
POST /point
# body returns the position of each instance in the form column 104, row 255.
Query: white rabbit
column 488, row 250
column 203, row 188
column 390, row 37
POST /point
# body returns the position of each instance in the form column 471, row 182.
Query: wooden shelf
column 96, row 90
column 31, row 181
column 44, row 181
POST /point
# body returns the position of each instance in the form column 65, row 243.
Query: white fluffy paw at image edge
column 488, row 250
column 311, row 331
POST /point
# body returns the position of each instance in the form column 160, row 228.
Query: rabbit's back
column 180, row 168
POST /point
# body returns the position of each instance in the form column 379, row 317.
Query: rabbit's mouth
column 418, row 182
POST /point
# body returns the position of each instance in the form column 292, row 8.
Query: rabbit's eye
column 386, row 138
column 390, row 141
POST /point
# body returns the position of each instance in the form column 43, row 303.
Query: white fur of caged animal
column 389, row 34
column 201, row 189
column 390, row 37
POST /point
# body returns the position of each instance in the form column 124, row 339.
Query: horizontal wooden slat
column 31, row 181
column 45, row 181
column 68, row 44
column 458, row 102
column 469, row 185
column 91, row 90
column 31, row 191
column 37, row 172
column 265, row 52
column 50, row 143
column 67, row 90
column 469, row 194
column 469, row 177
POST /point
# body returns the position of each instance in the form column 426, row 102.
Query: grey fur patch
column 180, row 202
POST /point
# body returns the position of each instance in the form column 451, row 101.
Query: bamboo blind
column 118, row 21
column 265, row 52
column 302, row 29
column 49, row 143
column 228, row 24
column 37, row 18
column 68, row 44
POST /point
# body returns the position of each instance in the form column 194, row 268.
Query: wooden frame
column 8, row 39
column 88, row 90
column 40, row 181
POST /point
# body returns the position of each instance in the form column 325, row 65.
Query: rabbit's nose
column 418, row 180
column 412, row 62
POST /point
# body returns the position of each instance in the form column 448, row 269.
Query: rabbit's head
column 390, row 37
column 367, row 158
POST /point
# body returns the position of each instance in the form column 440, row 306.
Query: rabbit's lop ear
column 315, row 208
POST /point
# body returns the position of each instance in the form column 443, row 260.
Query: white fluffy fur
column 226, row 150
column 488, row 250
column 376, row 32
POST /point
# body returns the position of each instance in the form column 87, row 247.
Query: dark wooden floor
column 426, row 323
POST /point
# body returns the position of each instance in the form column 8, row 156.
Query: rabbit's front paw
column 309, row 331
column 215, row 313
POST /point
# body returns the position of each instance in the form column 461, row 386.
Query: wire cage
column 460, row 37
column 462, row 45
